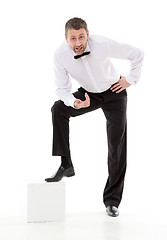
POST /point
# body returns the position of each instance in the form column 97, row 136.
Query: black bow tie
column 81, row 55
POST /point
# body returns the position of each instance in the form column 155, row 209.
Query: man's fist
column 82, row 104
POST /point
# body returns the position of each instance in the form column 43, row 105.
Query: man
column 88, row 60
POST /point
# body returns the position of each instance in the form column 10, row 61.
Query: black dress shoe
column 112, row 211
column 62, row 172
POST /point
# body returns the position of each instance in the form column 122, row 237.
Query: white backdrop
column 30, row 32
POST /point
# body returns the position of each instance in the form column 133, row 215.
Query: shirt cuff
column 131, row 80
column 70, row 101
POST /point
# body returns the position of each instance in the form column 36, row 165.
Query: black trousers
column 114, row 108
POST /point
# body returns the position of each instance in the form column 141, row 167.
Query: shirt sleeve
column 63, row 82
column 131, row 53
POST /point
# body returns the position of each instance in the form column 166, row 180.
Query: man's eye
column 73, row 39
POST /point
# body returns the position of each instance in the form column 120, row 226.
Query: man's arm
column 63, row 83
column 64, row 86
column 133, row 55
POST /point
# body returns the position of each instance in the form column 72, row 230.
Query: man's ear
column 87, row 34
column 66, row 38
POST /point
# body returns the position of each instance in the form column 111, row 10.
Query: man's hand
column 121, row 85
column 82, row 104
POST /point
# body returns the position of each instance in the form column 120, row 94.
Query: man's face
column 77, row 39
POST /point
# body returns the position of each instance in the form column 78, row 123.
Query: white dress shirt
column 94, row 72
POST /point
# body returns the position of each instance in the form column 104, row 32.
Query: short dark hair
column 75, row 23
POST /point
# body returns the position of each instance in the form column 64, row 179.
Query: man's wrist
column 75, row 104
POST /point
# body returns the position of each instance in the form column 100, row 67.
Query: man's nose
column 78, row 42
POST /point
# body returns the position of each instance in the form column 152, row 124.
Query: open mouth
column 79, row 49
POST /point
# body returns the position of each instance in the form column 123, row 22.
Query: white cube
column 46, row 202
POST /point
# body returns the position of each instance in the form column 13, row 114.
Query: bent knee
column 57, row 107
